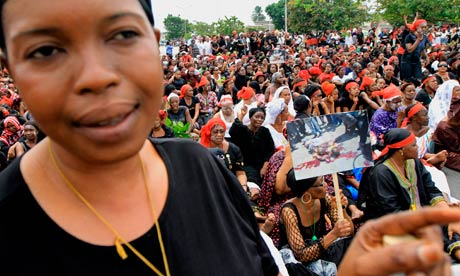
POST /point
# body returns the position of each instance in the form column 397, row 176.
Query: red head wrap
column 328, row 87
column 388, row 93
column 162, row 114
column 299, row 84
column 417, row 24
column 245, row 93
column 206, row 131
column 414, row 110
column 410, row 139
column 203, row 81
column 304, row 74
column 428, row 79
column 315, row 71
column 366, row 82
column 350, row 85
column 184, row 89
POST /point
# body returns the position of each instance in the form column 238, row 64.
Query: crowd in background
column 227, row 92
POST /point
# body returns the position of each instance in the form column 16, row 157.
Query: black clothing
column 381, row 192
column 423, row 97
column 169, row 132
column 191, row 107
column 257, row 148
column 207, row 224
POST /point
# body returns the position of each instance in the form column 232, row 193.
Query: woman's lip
column 110, row 133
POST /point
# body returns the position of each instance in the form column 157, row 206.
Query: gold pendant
column 413, row 207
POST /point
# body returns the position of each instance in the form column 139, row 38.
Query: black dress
column 257, row 148
column 207, row 224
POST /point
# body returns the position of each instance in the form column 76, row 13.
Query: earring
column 402, row 152
column 303, row 201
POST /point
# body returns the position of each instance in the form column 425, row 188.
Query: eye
column 123, row 35
column 43, row 52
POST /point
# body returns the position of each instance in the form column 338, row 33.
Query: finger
column 409, row 221
column 413, row 256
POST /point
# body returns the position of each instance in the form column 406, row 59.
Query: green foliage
column 434, row 11
column 276, row 12
column 327, row 14
column 180, row 129
column 257, row 15
column 176, row 27
column 227, row 25
column 203, row 28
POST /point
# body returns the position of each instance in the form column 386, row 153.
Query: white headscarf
column 291, row 102
column 274, row 108
column 172, row 95
column 440, row 104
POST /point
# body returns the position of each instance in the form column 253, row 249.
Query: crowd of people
column 228, row 203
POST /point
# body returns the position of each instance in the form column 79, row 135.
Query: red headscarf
column 328, row 87
column 388, row 93
column 203, row 82
column 8, row 137
column 414, row 110
column 183, row 90
column 245, row 93
column 366, row 82
column 417, row 24
column 206, row 131
column 350, row 85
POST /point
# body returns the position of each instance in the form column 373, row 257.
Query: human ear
column 157, row 33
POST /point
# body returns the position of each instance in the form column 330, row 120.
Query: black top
column 414, row 57
column 207, row 224
column 178, row 116
column 191, row 107
column 382, row 194
column 257, row 148
column 423, row 97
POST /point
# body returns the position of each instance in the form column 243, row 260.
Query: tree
column 276, row 12
column 257, row 15
column 227, row 25
column 327, row 14
column 434, row 11
column 175, row 26
column 203, row 28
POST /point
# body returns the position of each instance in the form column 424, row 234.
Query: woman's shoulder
column 10, row 180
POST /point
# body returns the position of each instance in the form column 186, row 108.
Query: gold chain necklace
column 119, row 240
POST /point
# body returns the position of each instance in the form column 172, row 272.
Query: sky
column 207, row 11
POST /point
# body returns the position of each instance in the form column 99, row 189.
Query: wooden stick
column 335, row 180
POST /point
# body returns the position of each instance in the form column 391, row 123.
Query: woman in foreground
column 105, row 199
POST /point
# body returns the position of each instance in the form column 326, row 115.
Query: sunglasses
column 442, row 65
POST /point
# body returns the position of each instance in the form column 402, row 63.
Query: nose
column 97, row 71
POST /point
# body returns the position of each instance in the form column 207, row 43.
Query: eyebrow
column 54, row 31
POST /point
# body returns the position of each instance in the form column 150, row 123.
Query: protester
column 104, row 199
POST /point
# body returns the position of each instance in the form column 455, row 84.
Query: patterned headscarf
column 8, row 137
column 441, row 102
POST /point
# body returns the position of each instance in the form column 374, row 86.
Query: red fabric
column 414, row 110
column 245, row 93
column 366, row 82
column 206, row 131
column 183, row 90
column 398, row 145
column 350, row 85
column 328, row 87
column 417, row 24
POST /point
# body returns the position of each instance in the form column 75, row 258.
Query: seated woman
column 445, row 104
column 255, row 143
column 191, row 102
column 246, row 97
column 23, row 145
column 285, row 93
column 160, row 130
column 277, row 116
column 447, row 137
column 177, row 113
column 212, row 136
column 304, row 226
column 417, row 122
column 399, row 181
column 226, row 114
column 12, row 131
